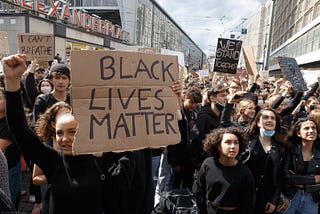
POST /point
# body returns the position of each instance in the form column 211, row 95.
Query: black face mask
column 220, row 107
column 312, row 107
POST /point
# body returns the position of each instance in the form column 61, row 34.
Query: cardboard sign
column 290, row 68
column 249, row 60
column 123, row 100
column 4, row 43
column 39, row 46
column 227, row 55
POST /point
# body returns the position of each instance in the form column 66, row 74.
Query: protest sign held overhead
column 227, row 55
column 249, row 60
column 4, row 43
column 291, row 69
column 39, row 46
column 204, row 73
column 123, row 100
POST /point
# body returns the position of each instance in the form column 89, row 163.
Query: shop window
column 1, row 21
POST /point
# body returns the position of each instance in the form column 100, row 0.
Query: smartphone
column 246, row 95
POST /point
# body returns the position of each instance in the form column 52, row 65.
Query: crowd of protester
column 248, row 145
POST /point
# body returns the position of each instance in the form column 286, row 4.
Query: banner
column 227, row 55
column 124, row 100
column 39, row 46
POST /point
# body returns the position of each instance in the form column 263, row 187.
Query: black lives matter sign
column 227, row 55
column 124, row 100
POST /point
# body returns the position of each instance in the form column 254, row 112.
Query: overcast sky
column 207, row 20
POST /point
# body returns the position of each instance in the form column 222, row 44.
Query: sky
column 207, row 20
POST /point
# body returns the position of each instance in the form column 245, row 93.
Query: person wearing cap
column 60, row 78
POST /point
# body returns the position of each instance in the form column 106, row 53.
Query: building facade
column 296, row 33
column 257, row 35
column 97, row 24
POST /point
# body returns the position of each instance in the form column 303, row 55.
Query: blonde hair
column 243, row 105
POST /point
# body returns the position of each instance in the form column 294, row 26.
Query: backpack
column 177, row 201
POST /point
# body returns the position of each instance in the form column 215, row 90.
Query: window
column 317, row 10
column 298, row 25
column 307, row 18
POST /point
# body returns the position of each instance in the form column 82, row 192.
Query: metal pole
column 266, row 60
column 152, row 26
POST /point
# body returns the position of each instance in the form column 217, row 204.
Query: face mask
column 267, row 133
column 45, row 89
column 260, row 102
column 219, row 106
column 312, row 107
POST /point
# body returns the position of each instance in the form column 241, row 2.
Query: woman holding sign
column 72, row 189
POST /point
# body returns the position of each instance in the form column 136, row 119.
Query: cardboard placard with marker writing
column 123, row 100
column 39, row 46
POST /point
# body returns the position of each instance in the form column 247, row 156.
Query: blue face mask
column 267, row 133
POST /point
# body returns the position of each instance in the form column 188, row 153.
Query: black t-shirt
column 12, row 152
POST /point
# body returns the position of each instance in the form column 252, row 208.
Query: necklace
column 265, row 145
column 266, row 148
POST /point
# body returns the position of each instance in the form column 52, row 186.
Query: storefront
column 17, row 19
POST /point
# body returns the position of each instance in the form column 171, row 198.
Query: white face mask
column 260, row 102
column 45, row 89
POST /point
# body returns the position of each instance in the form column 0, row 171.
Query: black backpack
column 177, row 201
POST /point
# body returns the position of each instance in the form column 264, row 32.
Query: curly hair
column 43, row 125
column 214, row 138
